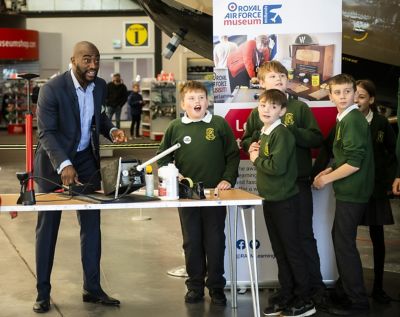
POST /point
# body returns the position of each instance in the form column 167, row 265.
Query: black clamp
column 190, row 190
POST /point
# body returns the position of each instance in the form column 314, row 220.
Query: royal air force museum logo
column 252, row 14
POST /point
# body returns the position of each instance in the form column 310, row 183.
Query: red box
column 18, row 128
column 157, row 136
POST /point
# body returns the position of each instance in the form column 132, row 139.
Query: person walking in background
column 117, row 94
column 70, row 120
column 135, row 102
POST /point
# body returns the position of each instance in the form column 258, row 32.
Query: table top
column 54, row 201
column 307, row 91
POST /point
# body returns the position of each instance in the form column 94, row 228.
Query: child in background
column 352, row 176
column 379, row 210
column 135, row 101
column 274, row 157
column 208, row 154
column 301, row 122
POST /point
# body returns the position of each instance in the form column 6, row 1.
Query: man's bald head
column 82, row 47
column 85, row 62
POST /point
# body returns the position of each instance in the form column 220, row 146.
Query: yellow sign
column 136, row 34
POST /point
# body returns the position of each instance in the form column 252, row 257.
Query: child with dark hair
column 274, row 157
column 379, row 210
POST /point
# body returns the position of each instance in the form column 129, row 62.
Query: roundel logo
column 187, row 139
column 257, row 244
column 232, row 6
column 240, row 244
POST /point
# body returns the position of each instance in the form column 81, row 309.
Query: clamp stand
column 27, row 195
column 141, row 217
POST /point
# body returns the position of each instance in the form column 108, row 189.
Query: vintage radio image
column 312, row 59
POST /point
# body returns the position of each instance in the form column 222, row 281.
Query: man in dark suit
column 70, row 117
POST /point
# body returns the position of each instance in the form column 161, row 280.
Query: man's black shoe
column 299, row 308
column 348, row 309
column 218, row 297
column 41, row 306
column 194, row 296
column 99, row 298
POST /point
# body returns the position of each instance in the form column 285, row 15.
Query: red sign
column 237, row 120
column 325, row 116
column 19, row 44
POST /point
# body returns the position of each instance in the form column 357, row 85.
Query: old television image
column 312, row 59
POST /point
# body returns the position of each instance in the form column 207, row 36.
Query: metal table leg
column 232, row 256
column 252, row 268
column 255, row 270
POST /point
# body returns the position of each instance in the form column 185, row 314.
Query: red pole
column 27, row 196
column 29, row 150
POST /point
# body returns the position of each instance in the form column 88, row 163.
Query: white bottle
column 168, row 182
column 149, row 180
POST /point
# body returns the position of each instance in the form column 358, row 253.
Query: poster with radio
column 306, row 37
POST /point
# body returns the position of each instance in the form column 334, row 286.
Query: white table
column 236, row 198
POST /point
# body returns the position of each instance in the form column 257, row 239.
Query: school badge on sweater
column 210, row 134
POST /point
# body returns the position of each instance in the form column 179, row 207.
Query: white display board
column 315, row 28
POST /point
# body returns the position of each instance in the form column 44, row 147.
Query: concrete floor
column 136, row 257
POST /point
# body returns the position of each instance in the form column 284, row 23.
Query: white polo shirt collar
column 340, row 116
column 207, row 118
column 267, row 131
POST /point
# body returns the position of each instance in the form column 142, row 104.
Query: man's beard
column 82, row 74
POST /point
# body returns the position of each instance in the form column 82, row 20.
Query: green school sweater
column 276, row 165
column 353, row 145
column 301, row 122
column 208, row 152
column 384, row 145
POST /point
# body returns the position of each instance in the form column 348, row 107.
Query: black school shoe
column 277, row 308
column 299, row 308
column 194, row 296
column 218, row 296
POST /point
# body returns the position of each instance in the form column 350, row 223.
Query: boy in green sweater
column 352, row 176
column 208, row 153
column 301, row 122
column 274, row 157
